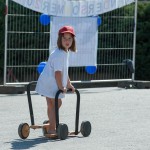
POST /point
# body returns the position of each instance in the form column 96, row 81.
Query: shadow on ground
column 29, row 143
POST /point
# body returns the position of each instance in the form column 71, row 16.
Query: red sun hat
column 66, row 29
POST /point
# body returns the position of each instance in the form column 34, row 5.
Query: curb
column 12, row 89
column 134, row 84
column 21, row 89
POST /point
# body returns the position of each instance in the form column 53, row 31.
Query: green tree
column 143, row 42
column 2, row 29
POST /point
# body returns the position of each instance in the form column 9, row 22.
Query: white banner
column 86, row 30
column 75, row 8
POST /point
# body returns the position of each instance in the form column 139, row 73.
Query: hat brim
column 68, row 32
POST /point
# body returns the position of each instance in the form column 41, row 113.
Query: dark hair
column 60, row 46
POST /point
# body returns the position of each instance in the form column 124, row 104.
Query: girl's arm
column 70, row 86
column 58, row 78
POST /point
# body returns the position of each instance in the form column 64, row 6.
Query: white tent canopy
column 75, row 8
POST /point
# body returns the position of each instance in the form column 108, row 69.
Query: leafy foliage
column 2, row 29
column 143, row 42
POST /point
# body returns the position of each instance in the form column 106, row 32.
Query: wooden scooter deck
column 71, row 134
column 46, row 127
column 39, row 126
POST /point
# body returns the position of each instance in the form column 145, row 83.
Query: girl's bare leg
column 51, row 112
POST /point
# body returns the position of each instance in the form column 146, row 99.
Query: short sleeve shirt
column 46, row 84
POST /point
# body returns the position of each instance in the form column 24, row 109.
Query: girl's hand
column 63, row 89
column 70, row 86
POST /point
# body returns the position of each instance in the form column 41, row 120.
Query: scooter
column 61, row 129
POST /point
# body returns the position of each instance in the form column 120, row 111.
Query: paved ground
column 120, row 120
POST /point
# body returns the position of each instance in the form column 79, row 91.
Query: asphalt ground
column 120, row 120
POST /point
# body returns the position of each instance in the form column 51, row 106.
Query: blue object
column 99, row 21
column 129, row 64
column 41, row 67
column 90, row 69
column 44, row 19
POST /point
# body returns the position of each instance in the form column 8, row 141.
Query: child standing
column 55, row 74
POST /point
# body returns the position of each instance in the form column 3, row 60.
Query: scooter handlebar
column 68, row 90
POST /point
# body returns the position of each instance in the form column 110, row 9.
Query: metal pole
column 77, row 112
column 30, row 101
column 134, row 42
column 6, row 28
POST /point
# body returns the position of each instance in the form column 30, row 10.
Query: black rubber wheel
column 62, row 131
column 85, row 128
column 23, row 130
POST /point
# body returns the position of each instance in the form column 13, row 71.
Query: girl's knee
column 51, row 102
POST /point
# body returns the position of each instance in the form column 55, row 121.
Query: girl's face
column 67, row 40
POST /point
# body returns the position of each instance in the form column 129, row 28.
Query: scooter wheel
column 23, row 130
column 85, row 128
column 62, row 131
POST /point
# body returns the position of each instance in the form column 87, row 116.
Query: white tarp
column 75, row 8
column 86, row 30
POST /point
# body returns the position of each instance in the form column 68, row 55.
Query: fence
column 27, row 44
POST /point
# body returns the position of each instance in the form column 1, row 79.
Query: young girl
column 55, row 74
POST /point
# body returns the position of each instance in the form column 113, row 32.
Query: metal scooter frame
column 56, row 106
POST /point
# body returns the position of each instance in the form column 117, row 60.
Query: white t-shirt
column 46, row 85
